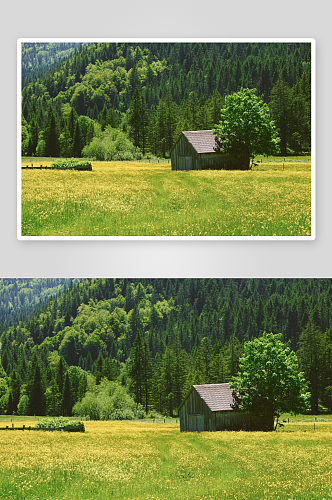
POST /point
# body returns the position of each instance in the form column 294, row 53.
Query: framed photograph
column 166, row 139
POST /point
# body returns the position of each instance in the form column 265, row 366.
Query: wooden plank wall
column 183, row 150
column 194, row 405
column 217, row 420
column 180, row 154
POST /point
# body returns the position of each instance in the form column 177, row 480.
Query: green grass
column 146, row 461
column 142, row 199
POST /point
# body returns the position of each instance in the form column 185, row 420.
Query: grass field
column 148, row 199
column 154, row 461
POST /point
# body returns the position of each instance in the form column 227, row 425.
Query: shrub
column 112, row 144
column 61, row 422
column 108, row 401
column 154, row 414
column 23, row 405
column 71, row 164
column 150, row 156
column 122, row 414
column 40, row 150
column 123, row 156
column 139, row 412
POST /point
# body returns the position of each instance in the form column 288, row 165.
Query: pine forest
column 127, row 101
column 126, row 348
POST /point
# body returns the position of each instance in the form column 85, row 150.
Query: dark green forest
column 18, row 298
column 38, row 58
column 118, row 348
column 152, row 91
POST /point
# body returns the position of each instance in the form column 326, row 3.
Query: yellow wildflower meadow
column 145, row 460
column 143, row 199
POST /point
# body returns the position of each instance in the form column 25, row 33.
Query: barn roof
column 218, row 397
column 203, row 141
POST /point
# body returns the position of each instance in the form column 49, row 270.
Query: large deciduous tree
column 269, row 382
column 245, row 128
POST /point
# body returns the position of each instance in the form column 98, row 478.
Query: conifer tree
column 280, row 107
column 66, row 143
column 104, row 118
column 89, row 362
column 168, row 381
column 220, row 372
column 34, row 129
column 133, row 83
column 82, row 386
column 4, row 361
column 135, row 367
column 67, row 398
column 53, row 398
column 99, row 371
column 15, row 384
column 232, row 352
column 114, row 119
column 215, row 103
column 10, row 406
column 36, row 391
column 144, row 125
column 310, row 355
column 202, row 370
column 110, row 369
column 60, row 373
column 146, row 375
column 135, row 117
column 327, row 369
column 71, row 122
column 51, row 136
column 77, row 147
column 181, row 367
column 134, row 323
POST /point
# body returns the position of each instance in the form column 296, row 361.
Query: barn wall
column 194, row 409
column 220, row 161
column 194, row 405
column 184, row 150
column 238, row 420
column 185, row 157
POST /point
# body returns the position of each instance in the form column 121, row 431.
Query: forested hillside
column 153, row 91
column 20, row 297
column 153, row 338
column 38, row 58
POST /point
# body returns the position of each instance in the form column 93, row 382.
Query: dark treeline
column 156, row 337
column 153, row 91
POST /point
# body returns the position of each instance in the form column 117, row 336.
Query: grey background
column 162, row 19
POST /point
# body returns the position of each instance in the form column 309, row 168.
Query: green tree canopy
column 269, row 383
column 245, row 128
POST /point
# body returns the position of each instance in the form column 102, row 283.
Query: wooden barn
column 199, row 150
column 211, row 407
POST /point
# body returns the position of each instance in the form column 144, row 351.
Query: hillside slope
column 165, row 334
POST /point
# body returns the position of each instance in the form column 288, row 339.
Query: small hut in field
column 199, row 150
column 212, row 407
